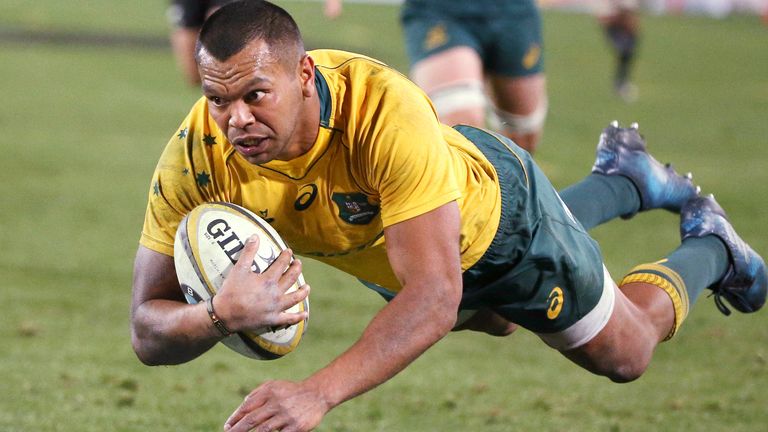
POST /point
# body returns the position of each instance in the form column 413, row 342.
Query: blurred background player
column 332, row 8
column 186, row 17
column 621, row 25
column 479, row 61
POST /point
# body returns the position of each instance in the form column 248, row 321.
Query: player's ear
column 307, row 75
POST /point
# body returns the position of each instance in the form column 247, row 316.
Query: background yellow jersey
column 381, row 157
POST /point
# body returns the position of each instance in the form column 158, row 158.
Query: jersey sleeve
column 406, row 160
column 187, row 175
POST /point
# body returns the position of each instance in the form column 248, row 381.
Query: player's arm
column 166, row 330
column 424, row 254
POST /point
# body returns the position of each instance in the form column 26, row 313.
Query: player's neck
column 307, row 129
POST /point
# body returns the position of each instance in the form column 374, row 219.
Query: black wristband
column 216, row 321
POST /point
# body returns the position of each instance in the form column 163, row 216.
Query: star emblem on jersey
column 183, row 133
column 203, row 179
column 265, row 215
column 354, row 208
column 185, row 171
column 156, row 188
column 209, row 139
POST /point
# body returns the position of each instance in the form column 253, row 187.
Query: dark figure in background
column 186, row 17
column 621, row 24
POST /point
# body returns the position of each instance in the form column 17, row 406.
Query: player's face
column 261, row 103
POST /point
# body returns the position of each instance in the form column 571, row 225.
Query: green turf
column 82, row 128
column 86, row 16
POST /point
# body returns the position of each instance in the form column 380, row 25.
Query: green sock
column 700, row 262
column 697, row 264
column 599, row 198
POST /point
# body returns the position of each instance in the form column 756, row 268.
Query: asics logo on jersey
column 555, row 301
column 305, row 198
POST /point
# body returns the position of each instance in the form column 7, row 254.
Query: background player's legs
column 453, row 79
column 621, row 27
column 183, row 40
column 186, row 18
column 521, row 106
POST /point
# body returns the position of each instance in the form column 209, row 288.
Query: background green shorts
column 506, row 34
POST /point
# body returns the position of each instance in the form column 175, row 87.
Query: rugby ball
column 207, row 245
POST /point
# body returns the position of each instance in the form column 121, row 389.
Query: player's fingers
column 248, row 253
column 274, row 423
column 280, row 264
column 252, row 411
column 291, row 275
column 289, row 299
column 250, row 422
column 287, row 319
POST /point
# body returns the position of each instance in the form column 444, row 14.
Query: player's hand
column 279, row 405
column 252, row 301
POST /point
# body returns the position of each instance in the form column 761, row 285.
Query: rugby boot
column 622, row 151
column 744, row 283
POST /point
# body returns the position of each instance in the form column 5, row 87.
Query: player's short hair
column 233, row 26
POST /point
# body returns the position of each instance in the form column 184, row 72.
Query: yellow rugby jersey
column 381, row 157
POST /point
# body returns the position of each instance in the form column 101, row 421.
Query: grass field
column 82, row 127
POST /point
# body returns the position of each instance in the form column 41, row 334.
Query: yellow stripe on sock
column 673, row 277
column 673, row 286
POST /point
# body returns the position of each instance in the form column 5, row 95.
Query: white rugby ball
column 207, row 245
